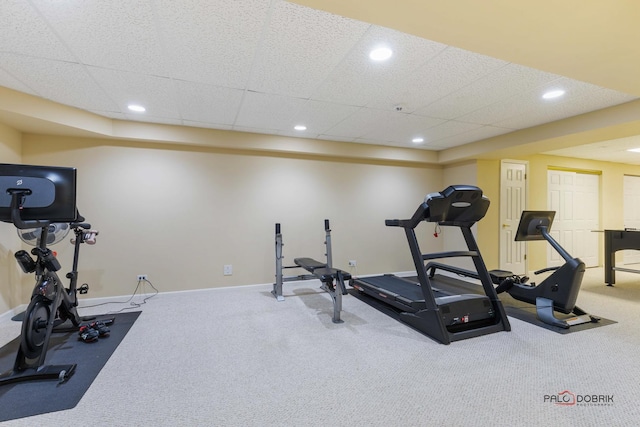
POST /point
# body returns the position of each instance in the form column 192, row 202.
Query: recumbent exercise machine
column 558, row 292
column 37, row 197
column 427, row 306
column 332, row 279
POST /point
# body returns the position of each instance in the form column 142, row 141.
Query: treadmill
column 427, row 306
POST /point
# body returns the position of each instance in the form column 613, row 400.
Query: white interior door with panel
column 576, row 199
column 631, row 206
column 513, row 198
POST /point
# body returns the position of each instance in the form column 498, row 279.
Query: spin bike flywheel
column 34, row 326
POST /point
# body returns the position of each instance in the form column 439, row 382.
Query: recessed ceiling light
column 417, row 140
column 137, row 108
column 553, row 94
column 300, row 127
column 381, row 54
column 634, row 150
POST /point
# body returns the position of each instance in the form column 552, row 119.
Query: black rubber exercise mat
column 25, row 399
column 514, row 308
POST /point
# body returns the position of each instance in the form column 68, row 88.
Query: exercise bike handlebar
column 17, row 199
column 544, row 270
column 563, row 253
column 83, row 225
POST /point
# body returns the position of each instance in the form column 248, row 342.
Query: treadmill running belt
column 396, row 285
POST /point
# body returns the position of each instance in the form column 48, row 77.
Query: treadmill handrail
column 449, row 254
column 420, row 214
column 433, row 266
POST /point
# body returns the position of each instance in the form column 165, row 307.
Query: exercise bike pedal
column 88, row 334
column 101, row 327
column 83, row 289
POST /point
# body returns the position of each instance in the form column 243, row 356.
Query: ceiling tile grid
column 359, row 81
column 156, row 93
column 367, row 124
column 264, row 66
column 120, row 36
column 319, row 117
column 511, row 79
column 65, row 82
column 292, row 59
column 212, row 42
column 24, row 31
column 268, row 112
column 452, row 70
column 207, row 104
column 11, row 81
column 471, row 135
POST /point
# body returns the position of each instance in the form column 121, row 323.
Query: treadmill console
column 456, row 205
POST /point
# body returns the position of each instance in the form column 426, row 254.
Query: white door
column 513, row 198
column 631, row 206
column 575, row 198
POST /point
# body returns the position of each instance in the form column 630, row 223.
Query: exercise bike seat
column 497, row 276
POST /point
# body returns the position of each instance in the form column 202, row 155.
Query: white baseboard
column 8, row 315
column 88, row 302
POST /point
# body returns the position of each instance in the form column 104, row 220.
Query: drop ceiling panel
column 300, row 48
column 359, row 81
column 474, row 134
column 403, row 128
column 23, row 31
column 123, row 37
column 156, row 93
column 265, row 65
column 215, row 105
column 272, row 112
column 212, row 42
column 448, row 129
column 499, row 86
column 319, row 116
column 452, row 70
column 64, row 82
column 535, row 113
column 12, row 82
column 367, row 122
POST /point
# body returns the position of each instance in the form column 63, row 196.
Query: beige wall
column 179, row 213
column 11, row 290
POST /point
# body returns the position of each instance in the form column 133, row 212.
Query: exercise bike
column 559, row 291
column 51, row 305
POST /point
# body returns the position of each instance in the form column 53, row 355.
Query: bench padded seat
column 320, row 270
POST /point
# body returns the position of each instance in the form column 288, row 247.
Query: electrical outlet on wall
column 227, row 270
column 353, row 263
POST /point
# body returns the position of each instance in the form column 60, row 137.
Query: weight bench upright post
column 327, row 243
column 277, row 286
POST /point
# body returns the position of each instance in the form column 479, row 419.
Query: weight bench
column 332, row 279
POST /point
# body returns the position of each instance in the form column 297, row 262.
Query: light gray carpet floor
column 236, row 357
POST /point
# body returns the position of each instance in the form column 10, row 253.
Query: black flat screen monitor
column 52, row 188
column 530, row 221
